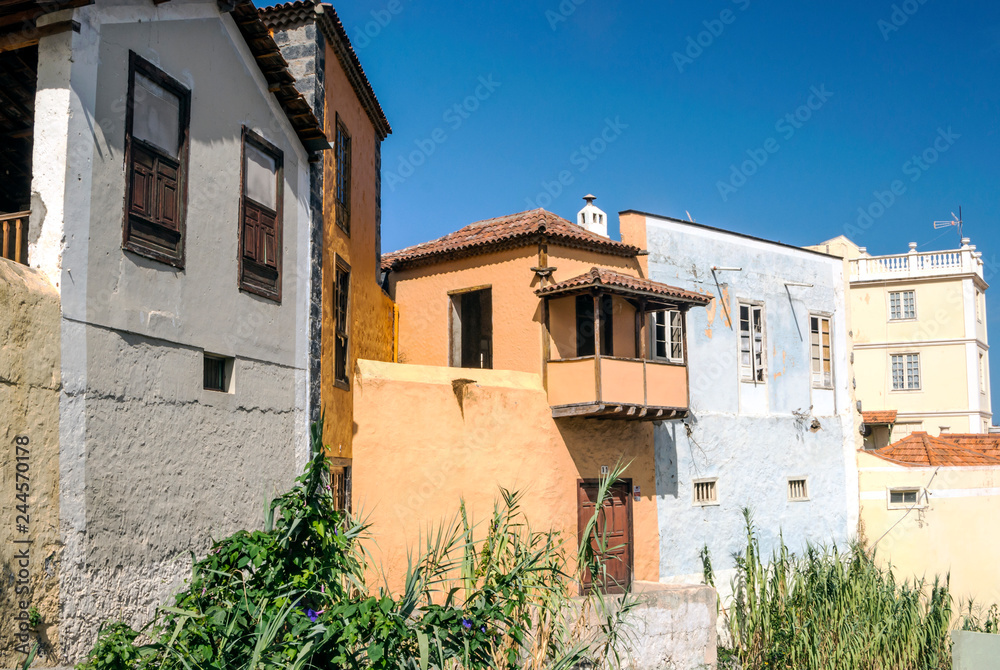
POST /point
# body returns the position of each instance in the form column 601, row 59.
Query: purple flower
column 483, row 628
column 467, row 624
column 313, row 615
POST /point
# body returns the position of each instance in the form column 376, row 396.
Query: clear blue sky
column 684, row 91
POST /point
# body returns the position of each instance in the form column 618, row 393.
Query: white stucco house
column 160, row 159
column 771, row 424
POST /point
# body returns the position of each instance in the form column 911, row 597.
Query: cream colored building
column 920, row 338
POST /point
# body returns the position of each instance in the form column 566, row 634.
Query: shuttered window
column 260, row 217
column 822, row 356
column 341, row 314
column 753, row 349
column 343, row 183
column 156, row 144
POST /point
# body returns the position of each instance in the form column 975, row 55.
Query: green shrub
column 294, row 596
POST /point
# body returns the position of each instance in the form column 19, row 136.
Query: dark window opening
column 343, row 184
column 472, row 329
column 378, row 209
column 260, row 228
column 340, row 485
column 156, row 139
column 585, row 325
column 218, row 373
column 342, row 301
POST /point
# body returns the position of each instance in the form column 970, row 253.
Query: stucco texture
column 430, row 436
column 29, row 407
column 751, row 437
column 951, row 531
column 168, row 467
column 371, row 311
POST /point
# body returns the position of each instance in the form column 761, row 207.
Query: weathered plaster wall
column 429, row 436
column 422, row 296
column 952, row 530
column 150, row 464
column 29, row 408
column 371, row 313
column 753, row 448
column 168, row 467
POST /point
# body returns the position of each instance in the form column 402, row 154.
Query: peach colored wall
column 562, row 326
column 667, row 385
column 572, row 382
column 624, row 327
column 422, row 296
column 622, row 381
column 411, row 468
column 371, row 311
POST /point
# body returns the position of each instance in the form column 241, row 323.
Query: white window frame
column 902, row 306
column 714, row 481
column 788, row 489
column 754, row 371
column 921, row 502
column 668, row 326
column 983, row 390
column 820, row 378
column 979, row 305
column 906, row 356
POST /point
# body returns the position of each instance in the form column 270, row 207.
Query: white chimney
column 592, row 218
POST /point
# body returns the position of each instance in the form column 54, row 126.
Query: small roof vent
column 593, row 218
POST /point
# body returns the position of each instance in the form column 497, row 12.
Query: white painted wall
column 753, row 439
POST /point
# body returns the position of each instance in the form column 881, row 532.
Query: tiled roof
column 922, row 450
column 505, row 232
column 988, row 444
column 274, row 67
column 294, row 14
column 880, row 418
column 626, row 284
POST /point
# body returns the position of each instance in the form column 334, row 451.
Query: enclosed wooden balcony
column 616, row 347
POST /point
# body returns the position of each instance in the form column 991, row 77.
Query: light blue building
column 771, row 425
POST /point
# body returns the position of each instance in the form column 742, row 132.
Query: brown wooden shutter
column 268, row 231
column 141, row 195
column 251, row 232
column 167, row 195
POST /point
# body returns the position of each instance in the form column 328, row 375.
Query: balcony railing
column 14, row 237
column 915, row 265
column 621, row 388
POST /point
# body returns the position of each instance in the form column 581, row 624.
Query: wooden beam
column 29, row 38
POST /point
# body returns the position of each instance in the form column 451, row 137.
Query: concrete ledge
column 975, row 651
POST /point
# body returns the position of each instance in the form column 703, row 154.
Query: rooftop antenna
column 955, row 221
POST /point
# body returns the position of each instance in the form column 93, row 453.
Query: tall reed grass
column 832, row 609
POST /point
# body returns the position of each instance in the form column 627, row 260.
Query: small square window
column 798, row 489
column 218, row 373
column 906, row 498
column 706, row 492
column 902, row 305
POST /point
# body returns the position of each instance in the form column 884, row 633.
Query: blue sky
column 684, row 107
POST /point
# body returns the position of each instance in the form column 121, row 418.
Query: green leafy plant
column 829, row 609
column 294, row 595
column 34, row 617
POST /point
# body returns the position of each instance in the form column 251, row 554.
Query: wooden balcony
column 14, row 237
column 618, row 388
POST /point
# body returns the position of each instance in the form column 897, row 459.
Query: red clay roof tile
column 923, row 450
column 505, row 232
column 885, row 417
column 626, row 284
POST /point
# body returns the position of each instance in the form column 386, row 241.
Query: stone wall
column 29, row 459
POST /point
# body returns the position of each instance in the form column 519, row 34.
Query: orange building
column 352, row 317
column 516, row 334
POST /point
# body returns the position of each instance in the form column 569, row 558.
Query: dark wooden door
column 613, row 530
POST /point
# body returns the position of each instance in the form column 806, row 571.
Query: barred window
column 343, row 186
column 342, row 301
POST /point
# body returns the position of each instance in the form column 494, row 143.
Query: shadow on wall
column 665, row 446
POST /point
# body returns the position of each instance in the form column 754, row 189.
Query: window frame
column 341, row 326
column 670, row 329
column 805, row 486
column 902, row 305
column 456, row 319
column 137, row 65
column 983, row 374
column 260, row 144
column 906, row 372
column 921, row 497
column 714, row 481
column 342, row 171
column 824, row 383
column 757, row 374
